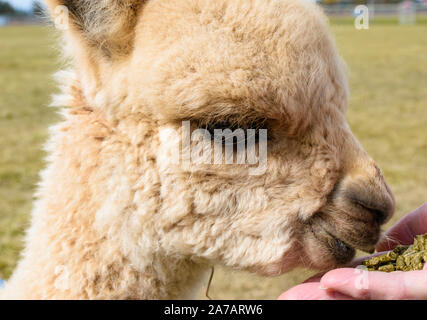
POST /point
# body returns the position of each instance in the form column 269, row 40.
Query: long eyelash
column 222, row 125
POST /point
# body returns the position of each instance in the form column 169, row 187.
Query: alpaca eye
column 233, row 133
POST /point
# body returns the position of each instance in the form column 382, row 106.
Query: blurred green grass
column 388, row 113
column 27, row 61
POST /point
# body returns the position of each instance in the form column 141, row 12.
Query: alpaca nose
column 381, row 209
column 371, row 194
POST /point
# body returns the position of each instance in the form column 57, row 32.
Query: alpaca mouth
column 344, row 252
column 342, row 245
column 341, row 251
column 342, row 248
column 350, row 220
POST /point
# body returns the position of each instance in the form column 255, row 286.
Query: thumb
column 312, row 291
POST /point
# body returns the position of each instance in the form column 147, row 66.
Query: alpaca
column 116, row 218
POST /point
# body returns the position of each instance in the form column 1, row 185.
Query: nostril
column 369, row 195
column 381, row 212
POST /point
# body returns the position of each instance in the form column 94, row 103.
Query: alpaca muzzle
column 351, row 219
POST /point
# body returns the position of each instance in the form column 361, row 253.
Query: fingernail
column 322, row 287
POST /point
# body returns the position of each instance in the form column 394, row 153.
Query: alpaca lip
column 341, row 240
column 344, row 246
column 368, row 249
column 342, row 251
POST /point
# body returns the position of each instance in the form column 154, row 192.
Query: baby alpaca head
column 265, row 63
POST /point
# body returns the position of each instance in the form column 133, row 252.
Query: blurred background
column 387, row 112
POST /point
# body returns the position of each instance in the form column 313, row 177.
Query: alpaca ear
column 105, row 25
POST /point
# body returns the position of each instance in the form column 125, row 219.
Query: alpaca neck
column 88, row 238
column 42, row 274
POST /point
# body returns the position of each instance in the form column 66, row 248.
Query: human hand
column 350, row 283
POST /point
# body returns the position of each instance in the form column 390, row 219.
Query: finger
column 311, row 291
column 405, row 229
column 377, row 285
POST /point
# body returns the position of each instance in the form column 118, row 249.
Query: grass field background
column 388, row 113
